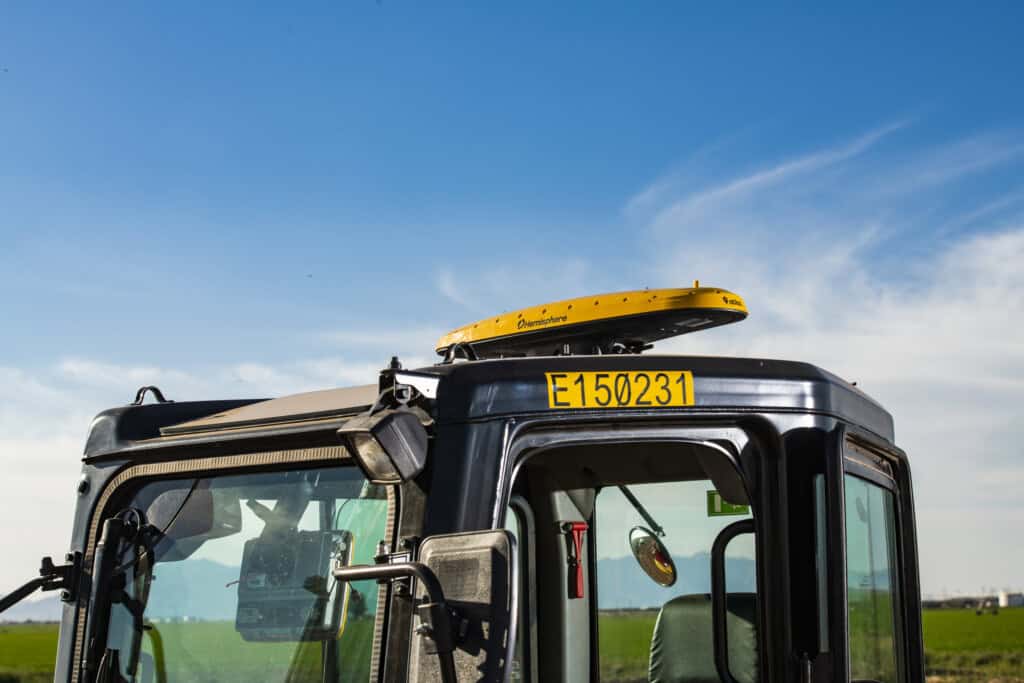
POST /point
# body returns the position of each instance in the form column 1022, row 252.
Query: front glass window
column 650, row 631
column 871, row 580
column 232, row 581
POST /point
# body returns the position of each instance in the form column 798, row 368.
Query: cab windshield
column 234, row 580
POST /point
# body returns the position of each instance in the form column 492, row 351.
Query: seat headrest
column 683, row 648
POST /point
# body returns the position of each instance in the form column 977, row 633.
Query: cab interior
column 625, row 625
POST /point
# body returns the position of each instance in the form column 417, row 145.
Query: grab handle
column 719, row 611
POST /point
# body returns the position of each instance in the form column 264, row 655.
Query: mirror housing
column 477, row 571
column 465, row 604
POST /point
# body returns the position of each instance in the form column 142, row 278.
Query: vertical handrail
column 719, row 607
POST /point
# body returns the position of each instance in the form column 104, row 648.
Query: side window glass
column 872, row 581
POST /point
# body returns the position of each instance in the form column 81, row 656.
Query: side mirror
column 477, row 573
column 465, row 604
column 652, row 556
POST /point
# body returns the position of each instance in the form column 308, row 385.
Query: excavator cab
column 548, row 503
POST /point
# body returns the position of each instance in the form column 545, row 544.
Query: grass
column 213, row 651
column 624, row 641
column 961, row 646
column 27, row 652
column 200, row 652
column 961, row 630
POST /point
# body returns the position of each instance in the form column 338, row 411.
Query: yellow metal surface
column 593, row 308
column 632, row 389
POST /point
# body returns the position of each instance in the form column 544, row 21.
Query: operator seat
column 683, row 648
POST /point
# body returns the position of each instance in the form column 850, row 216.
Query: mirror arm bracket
column 63, row 577
column 638, row 506
column 435, row 614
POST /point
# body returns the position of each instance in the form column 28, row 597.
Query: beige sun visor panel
column 309, row 405
column 721, row 470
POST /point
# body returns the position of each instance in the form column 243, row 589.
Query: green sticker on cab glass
column 719, row 508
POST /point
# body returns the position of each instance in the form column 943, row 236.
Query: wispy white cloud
column 404, row 341
column 99, row 374
column 936, row 334
column 819, row 247
column 693, row 170
column 451, row 289
column 949, row 162
column 524, row 282
column 45, row 414
column 1004, row 210
column 692, row 206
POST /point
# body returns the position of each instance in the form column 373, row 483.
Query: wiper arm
column 19, row 594
column 655, row 527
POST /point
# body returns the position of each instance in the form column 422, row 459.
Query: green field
column 203, row 652
column 961, row 645
column 27, row 652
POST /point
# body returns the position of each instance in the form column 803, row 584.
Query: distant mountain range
column 622, row 584
column 204, row 594
column 208, row 592
column 47, row 608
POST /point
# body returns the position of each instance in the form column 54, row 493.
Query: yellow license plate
column 643, row 389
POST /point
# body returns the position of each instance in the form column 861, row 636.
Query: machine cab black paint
column 781, row 507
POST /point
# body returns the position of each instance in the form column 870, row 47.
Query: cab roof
column 485, row 389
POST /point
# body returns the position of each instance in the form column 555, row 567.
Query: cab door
column 882, row 604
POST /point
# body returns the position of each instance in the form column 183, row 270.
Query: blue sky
column 252, row 200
